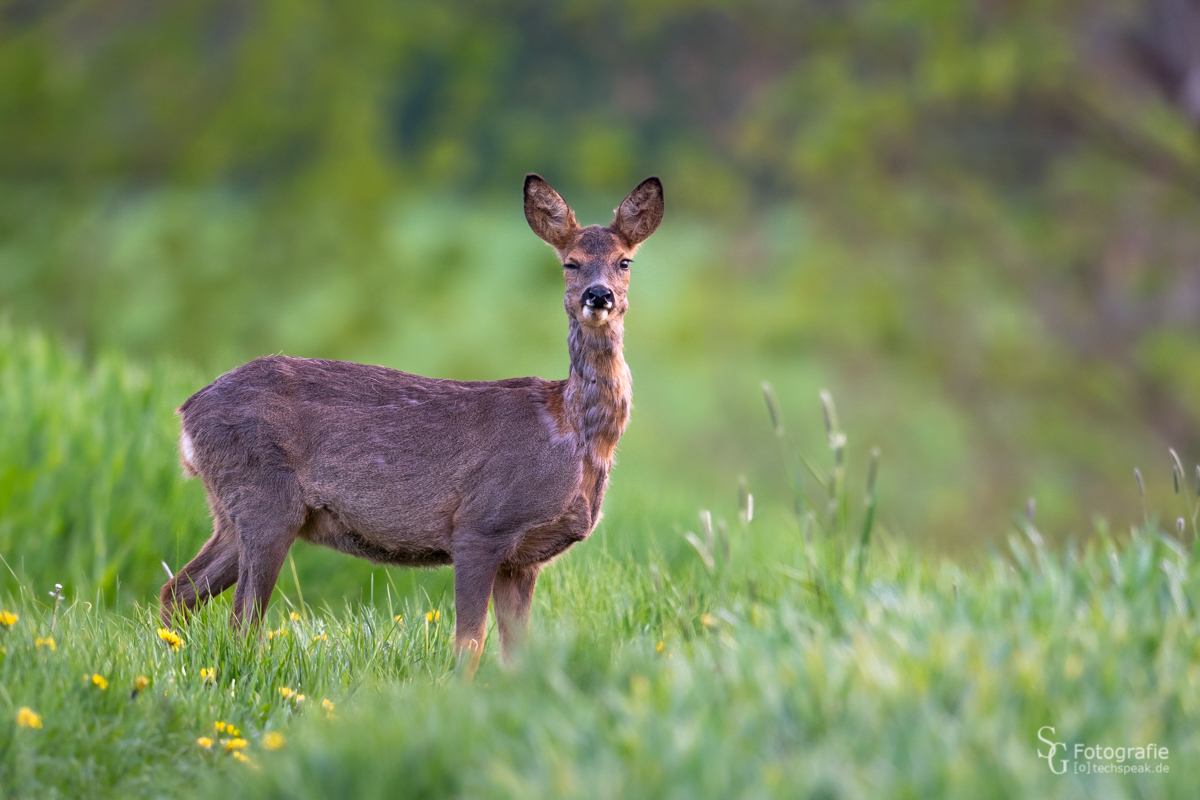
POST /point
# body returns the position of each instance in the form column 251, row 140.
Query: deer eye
column 569, row 265
column 624, row 263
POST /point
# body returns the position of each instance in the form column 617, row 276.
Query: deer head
column 595, row 258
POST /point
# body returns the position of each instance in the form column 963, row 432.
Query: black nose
column 598, row 297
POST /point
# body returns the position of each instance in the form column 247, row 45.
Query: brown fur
column 494, row 477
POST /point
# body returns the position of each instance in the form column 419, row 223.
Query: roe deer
column 494, row 477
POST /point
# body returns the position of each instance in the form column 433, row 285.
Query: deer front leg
column 474, row 574
column 513, row 596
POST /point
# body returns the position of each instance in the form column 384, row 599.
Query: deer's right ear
column 548, row 214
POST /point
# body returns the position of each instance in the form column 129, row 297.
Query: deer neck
column 598, row 394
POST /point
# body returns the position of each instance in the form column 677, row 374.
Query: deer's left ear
column 639, row 214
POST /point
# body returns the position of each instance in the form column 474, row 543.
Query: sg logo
column 1053, row 749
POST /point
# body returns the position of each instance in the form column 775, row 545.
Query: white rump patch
column 189, row 454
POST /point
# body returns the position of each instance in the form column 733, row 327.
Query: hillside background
column 974, row 223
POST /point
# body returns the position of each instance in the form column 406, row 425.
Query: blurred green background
column 974, row 222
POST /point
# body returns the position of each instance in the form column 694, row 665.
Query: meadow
column 973, row 224
column 770, row 654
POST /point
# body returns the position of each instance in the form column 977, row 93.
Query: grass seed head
column 829, row 411
column 773, row 408
column 873, row 470
column 1176, row 469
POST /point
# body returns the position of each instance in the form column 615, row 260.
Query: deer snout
column 598, row 297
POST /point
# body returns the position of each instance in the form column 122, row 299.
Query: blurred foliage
column 974, row 221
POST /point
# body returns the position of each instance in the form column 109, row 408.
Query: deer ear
column 639, row 214
column 548, row 214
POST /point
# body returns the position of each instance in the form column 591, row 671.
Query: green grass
column 785, row 679
column 90, row 484
column 776, row 656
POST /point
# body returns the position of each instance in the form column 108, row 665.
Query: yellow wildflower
column 171, row 638
column 272, row 634
column 220, row 726
column 658, row 648
column 205, row 742
column 327, row 704
column 242, row 757
column 708, row 620
column 295, row 617
column 320, row 637
column 47, row 642
column 140, row 683
column 208, row 675
column 8, row 619
column 273, row 740
column 233, row 744
column 398, row 619
column 290, row 694
column 226, row 727
column 433, row 616
column 99, row 682
column 28, row 718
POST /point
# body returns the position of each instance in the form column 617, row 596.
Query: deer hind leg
column 265, row 533
column 212, row 571
column 513, row 596
column 262, row 548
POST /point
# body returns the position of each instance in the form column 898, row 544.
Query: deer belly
column 399, row 548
